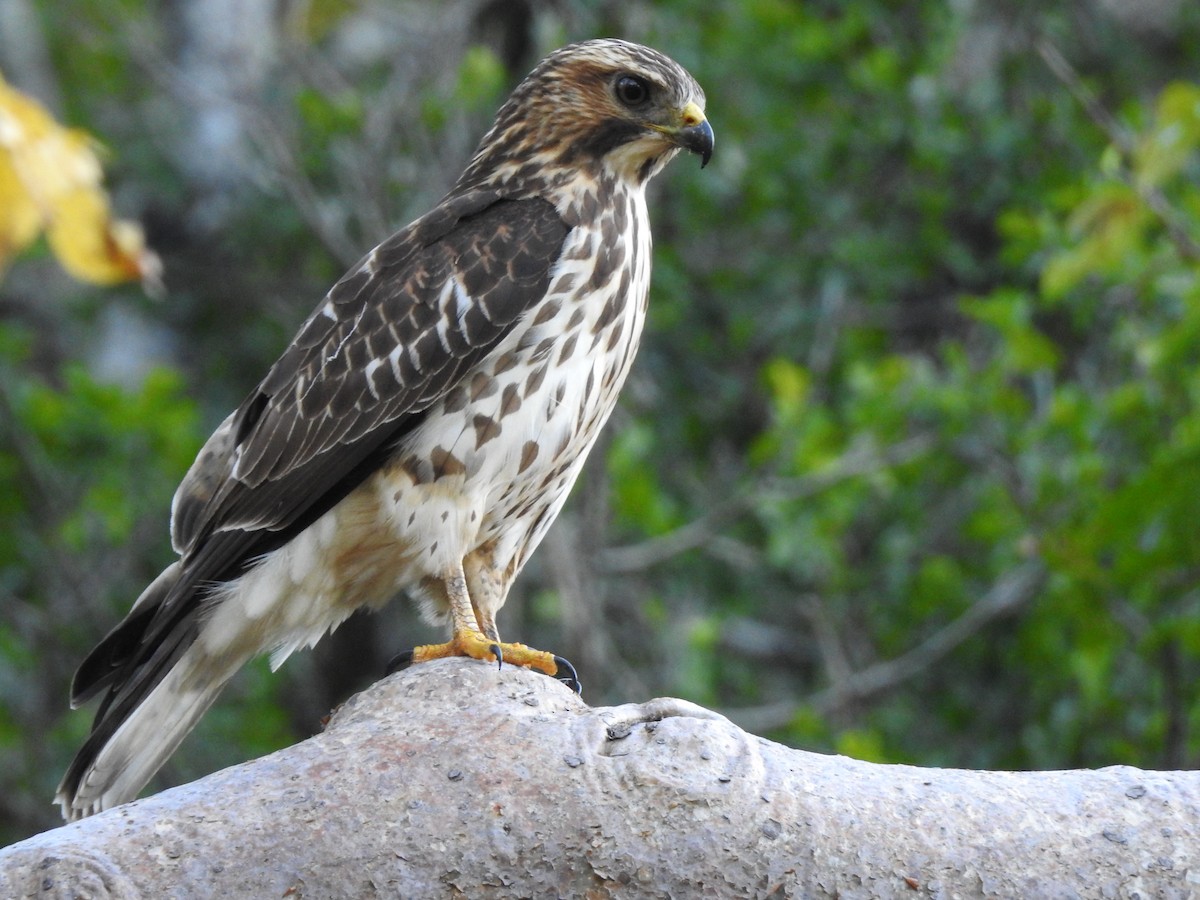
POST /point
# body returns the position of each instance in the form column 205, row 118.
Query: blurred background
column 909, row 464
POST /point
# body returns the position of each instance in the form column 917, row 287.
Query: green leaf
column 1163, row 151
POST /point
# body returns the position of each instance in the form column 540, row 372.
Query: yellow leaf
column 51, row 180
column 20, row 219
column 91, row 246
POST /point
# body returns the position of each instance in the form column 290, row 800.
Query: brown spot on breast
column 607, row 314
column 542, row 351
column 541, row 522
column 446, row 463
column 535, row 379
column 510, row 401
column 528, row 454
column 623, row 284
column 614, row 337
column 504, row 362
column 547, row 312
column 576, row 318
column 588, row 205
column 608, row 260
column 486, row 428
column 482, row 385
column 557, row 471
column 411, row 467
column 582, row 250
column 568, row 349
column 608, row 230
column 620, row 212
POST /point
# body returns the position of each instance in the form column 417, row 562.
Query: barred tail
column 158, row 686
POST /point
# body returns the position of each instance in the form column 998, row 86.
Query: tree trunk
column 455, row 779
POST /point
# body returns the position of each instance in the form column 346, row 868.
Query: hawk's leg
column 488, row 585
column 474, row 632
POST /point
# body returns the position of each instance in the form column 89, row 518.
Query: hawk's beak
column 693, row 133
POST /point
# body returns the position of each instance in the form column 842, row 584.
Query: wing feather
column 423, row 308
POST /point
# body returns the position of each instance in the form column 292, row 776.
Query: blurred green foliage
column 908, row 465
column 81, row 463
column 956, row 258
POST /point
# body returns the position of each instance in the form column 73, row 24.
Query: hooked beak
column 693, row 133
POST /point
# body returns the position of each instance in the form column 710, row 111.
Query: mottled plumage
column 424, row 427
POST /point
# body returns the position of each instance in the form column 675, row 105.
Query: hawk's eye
column 632, row 90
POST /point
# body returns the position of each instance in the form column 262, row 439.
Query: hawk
column 422, row 431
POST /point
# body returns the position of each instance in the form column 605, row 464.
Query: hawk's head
column 603, row 104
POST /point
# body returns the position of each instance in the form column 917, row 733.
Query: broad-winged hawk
column 424, row 427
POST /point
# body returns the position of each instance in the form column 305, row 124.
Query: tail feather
column 111, row 656
column 115, row 763
column 159, row 683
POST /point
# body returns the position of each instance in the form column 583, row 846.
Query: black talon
column 399, row 662
column 498, row 653
column 567, row 675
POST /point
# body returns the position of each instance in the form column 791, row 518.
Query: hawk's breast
column 495, row 458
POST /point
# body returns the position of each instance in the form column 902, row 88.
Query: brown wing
column 391, row 338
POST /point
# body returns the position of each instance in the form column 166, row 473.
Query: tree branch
column 455, row 779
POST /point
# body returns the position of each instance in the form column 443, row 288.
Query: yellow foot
column 475, row 645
